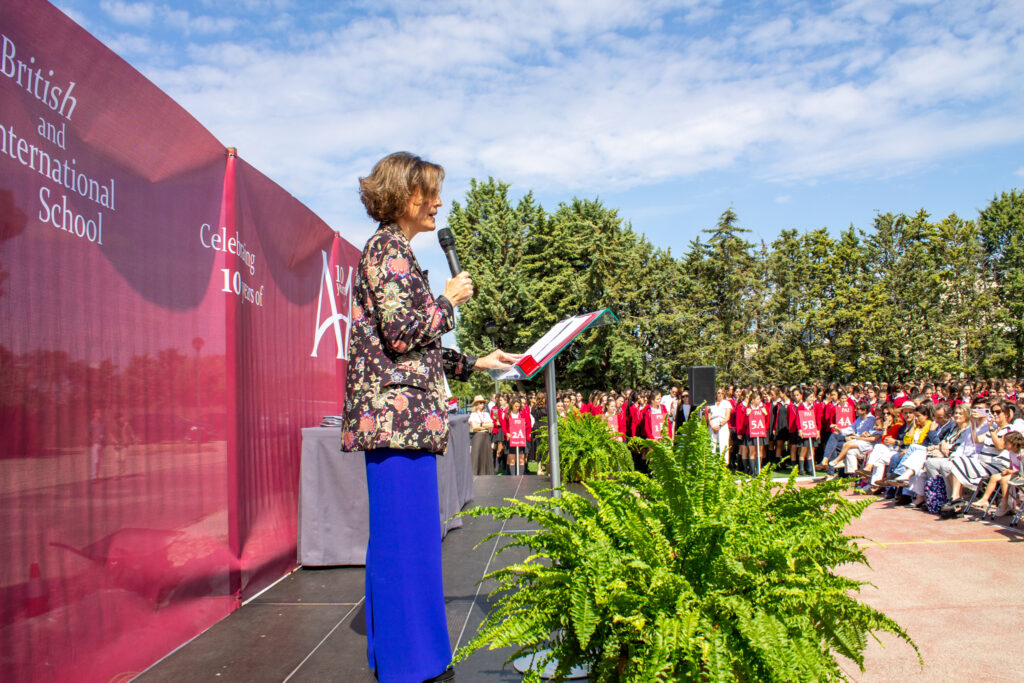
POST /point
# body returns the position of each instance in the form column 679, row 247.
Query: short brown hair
column 1014, row 441
column 394, row 180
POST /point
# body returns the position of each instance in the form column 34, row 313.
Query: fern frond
column 684, row 575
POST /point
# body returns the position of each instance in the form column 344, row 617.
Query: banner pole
column 553, row 465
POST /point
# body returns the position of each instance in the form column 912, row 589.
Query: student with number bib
column 756, row 433
column 793, row 426
column 656, row 416
column 517, row 427
column 808, row 428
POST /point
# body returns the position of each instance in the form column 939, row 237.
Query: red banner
column 517, row 432
column 844, row 416
column 808, row 425
column 758, row 424
column 172, row 319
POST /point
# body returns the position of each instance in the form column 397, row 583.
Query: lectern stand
column 541, row 355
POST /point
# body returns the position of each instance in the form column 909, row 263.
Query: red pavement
column 955, row 586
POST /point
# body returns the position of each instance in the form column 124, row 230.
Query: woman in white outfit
column 718, row 423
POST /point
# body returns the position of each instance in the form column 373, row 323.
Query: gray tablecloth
column 333, row 519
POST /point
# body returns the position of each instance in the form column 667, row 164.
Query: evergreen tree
column 492, row 236
column 1001, row 225
column 906, row 297
column 851, row 309
column 731, row 291
column 780, row 343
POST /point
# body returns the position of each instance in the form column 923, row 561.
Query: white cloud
column 183, row 21
column 599, row 96
column 1019, row 172
column 130, row 45
column 129, row 13
column 783, row 199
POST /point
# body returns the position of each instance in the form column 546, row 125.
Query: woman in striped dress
column 989, row 457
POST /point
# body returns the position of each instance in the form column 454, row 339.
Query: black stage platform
column 310, row 626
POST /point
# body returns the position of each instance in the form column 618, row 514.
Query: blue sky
column 796, row 114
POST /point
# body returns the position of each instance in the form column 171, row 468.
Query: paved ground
column 956, row 586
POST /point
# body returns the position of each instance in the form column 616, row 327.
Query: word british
column 58, row 99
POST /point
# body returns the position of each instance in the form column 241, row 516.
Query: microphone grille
column 446, row 237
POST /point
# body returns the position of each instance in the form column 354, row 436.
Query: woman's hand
column 458, row 289
column 497, row 359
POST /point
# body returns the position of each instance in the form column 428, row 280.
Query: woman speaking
column 396, row 412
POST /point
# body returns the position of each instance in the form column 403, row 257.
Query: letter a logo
column 333, row 320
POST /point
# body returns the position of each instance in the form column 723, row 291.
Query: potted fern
column 586, row 448
column 684, row 575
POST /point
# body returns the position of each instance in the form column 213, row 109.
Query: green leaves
column 686, row 575
column 903, row 297
column 586, row 448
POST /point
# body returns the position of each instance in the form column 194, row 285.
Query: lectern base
column 526, row 663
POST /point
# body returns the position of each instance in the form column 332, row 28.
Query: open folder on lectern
column 545, row 349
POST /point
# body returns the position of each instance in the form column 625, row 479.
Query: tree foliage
column 907, row 296
column 685, row 575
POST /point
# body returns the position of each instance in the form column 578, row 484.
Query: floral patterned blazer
column 395, row 396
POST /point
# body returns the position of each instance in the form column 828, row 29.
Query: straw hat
column 478, row 399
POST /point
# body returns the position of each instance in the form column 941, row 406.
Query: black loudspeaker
column 702, row 385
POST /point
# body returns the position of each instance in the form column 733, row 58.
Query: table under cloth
column 333, row 517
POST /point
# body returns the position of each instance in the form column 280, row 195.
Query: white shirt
column 718, row 416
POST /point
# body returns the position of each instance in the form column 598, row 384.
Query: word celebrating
column 33, row 81
column 233, row 282
column 219, row 241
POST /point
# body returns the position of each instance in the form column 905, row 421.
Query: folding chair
column 978, row 488
column 1017, row 484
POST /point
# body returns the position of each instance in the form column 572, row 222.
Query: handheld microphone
column 447, row 240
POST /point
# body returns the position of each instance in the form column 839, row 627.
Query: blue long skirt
column 406, row 626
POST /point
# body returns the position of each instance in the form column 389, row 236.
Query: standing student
column 632, row 414
column 796, row 399
column 730, row 395
column 517, row 426
column 538, row 425
column 740, row 422
column 611, row 417
column 622, row 416
column 779, row 424
column 497, row 434
column 656, row 416
column 756, row 433
column 808, row 445
column 643, row 426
